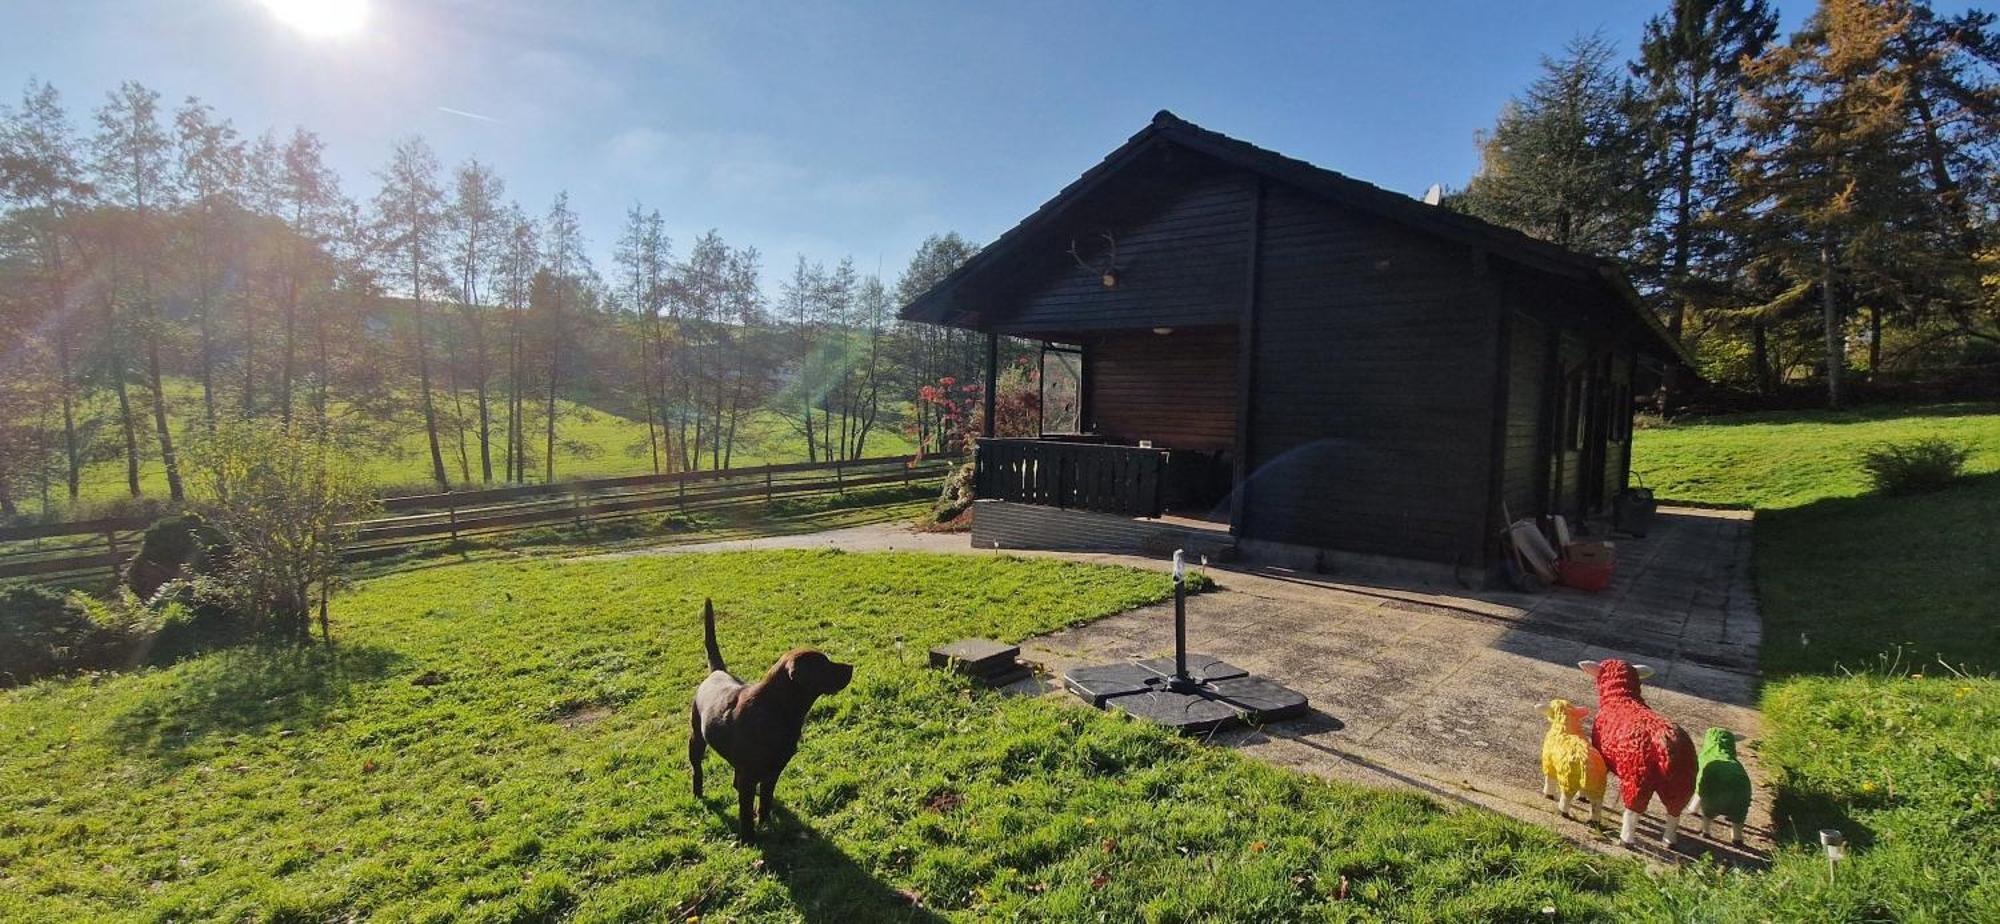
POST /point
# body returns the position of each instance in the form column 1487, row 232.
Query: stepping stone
column 974, row 655
column 989, row 662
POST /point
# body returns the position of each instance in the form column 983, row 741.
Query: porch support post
column 992, row 381
column 1246, row 364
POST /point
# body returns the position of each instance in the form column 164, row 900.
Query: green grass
column 544, row 778
column 1881, row 649
column 1783, row 459
column 591, row 443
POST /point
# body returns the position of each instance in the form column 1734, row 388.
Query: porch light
column 1163, row 331
column 1111, row 279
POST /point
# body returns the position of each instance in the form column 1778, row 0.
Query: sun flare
column 320, row 18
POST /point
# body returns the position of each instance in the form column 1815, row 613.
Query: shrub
column 1918, row 465
column 174, row 548
column 279, row 496
column 955, row 498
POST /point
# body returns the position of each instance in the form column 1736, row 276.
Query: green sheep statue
column 1721, row 785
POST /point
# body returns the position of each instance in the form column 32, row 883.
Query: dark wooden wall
column 1370, row 428
column 1579, row 455
column 1180, row 263
column 1527, row 395
column 1178, row 389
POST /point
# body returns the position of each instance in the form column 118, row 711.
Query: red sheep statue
column 1646, row 752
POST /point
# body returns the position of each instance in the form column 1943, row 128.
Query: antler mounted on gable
column 1105, row 267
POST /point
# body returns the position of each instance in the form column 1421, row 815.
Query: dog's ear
column 1588, row 667
column 1644, row 672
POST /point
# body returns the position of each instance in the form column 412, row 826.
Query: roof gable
column 936, row 305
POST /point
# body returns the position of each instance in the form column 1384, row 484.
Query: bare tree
column 45, row 186
column 132, row 164
column 568, row 268
column 209, row 171
column 409, row 212
column 478, row 234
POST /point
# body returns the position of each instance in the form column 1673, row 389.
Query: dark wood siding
column 1178, row 390
column 1526, row 394
column 1567, row 483
column 1618, row 454
column 1179, row 265
column 1371, row 426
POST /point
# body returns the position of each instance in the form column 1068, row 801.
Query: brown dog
column 756, row 726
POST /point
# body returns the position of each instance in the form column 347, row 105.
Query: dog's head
column 816, row 672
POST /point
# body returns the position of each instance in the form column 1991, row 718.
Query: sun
column 320, row 18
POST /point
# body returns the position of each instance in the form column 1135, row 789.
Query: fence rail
column 55, row 549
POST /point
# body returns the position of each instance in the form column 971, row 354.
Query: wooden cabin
column 1279, row 357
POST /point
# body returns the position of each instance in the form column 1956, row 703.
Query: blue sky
column 817, row 128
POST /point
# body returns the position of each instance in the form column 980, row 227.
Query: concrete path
column 1439, row 689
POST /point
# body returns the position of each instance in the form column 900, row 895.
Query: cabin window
column 1621, row 413
column 1062, row 389
column 1575, row 410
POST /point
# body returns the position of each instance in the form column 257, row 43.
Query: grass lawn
column 544, row 776
column 1881, row 649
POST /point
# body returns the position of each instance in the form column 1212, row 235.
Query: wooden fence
column 78, row 548
column 1113, row 479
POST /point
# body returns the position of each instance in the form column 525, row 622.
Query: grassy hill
column 591, row 443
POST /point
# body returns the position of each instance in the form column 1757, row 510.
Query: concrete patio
column 1438, row 689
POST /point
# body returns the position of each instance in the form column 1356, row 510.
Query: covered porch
column 1134, row 423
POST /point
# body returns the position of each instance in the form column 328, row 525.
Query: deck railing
column 1086, row 476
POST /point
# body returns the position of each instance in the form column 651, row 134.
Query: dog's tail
column 708, row 636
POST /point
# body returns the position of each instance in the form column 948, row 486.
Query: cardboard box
column 1591, row 552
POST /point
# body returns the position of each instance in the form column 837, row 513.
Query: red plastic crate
column 1585, row 576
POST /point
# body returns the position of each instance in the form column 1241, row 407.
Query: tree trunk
column 73, row 466
column 249, row 408
column 1836, row 334
column 289, row 359
column 1760, row 357
column 555, row 360
column 205, row 305
column 175, row 490
column 484, row 375
column 424, row 375
column 1874, row 341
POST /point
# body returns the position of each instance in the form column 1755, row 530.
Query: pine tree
column 1565, row 162
column 1690, row 71
column 1827, row 179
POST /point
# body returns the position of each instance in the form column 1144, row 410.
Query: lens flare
column 320, row 18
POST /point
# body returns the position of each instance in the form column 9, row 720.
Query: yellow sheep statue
column 1569, row 764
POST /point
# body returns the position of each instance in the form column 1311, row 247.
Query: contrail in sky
column 470, row 115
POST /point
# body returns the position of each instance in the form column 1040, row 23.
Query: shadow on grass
column 1866, row 413
column 827, row 886
column 1801, row 806
column 248, row 690
column 1871, row 582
